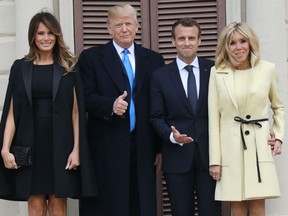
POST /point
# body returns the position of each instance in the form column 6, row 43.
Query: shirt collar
column 120, row 49
column 181, row 65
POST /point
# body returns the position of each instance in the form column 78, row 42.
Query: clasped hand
column 275, row 144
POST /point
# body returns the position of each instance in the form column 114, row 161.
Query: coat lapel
column 57, row 75
column 26, row 70
column 27, row 67
column 229, row 82
column 140, row 68
column 113, row 65
column 176, row 80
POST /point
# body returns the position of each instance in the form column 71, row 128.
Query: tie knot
column 189, row 68
column 125, row 51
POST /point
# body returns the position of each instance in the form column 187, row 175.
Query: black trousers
column 182, row 186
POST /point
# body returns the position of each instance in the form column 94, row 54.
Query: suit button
column 248, row 116
column 247, row 132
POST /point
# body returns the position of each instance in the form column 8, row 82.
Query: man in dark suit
column 182, row 122
column 119, row 131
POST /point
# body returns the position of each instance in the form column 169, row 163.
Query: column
column 24, row 11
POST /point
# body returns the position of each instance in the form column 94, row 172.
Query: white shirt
column 131, row 54
column 184, row 77
column 184, row 73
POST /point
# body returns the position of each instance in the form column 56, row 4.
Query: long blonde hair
column 60, row 50
column 223, row 55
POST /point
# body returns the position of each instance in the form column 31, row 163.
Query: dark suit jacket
column 109, row 136
column 170, row 106
column 16, row 184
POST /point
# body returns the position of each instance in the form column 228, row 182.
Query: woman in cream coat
column 241, row 89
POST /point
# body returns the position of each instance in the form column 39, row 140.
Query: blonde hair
column 223, row 55
column 60, row 50
column 122, row 10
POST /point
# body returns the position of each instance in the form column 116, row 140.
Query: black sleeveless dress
column 42, row 169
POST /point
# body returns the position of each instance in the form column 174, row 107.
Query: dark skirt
column 42, row 168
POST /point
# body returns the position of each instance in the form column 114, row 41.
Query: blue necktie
column 191, row 88
column 130, row 74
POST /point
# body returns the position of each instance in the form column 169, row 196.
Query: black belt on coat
column 257, row 123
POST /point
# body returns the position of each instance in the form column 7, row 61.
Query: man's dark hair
column 187, row 22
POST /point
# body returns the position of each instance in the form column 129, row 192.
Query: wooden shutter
column 155, row 18
column 90, row 22
column 210, row 14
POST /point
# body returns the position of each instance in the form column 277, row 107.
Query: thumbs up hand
column 120, row 105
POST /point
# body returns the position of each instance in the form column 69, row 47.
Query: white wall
column 24, row 10
column 66, row 20
column 7, row 43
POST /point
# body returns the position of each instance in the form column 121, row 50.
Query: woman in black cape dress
column 44, row 109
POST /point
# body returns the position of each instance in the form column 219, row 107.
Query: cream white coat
column 239, row 180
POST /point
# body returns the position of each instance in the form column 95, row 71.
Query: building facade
column 268, row 18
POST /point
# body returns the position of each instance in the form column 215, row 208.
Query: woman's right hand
column 215, row 172
column 9, row 160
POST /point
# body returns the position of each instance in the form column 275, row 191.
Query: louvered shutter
column 205, row 12
column 92, row 22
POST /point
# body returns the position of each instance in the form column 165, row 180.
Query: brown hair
column 60, row 50
column 186, row 22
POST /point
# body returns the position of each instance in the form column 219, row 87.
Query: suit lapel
column 57, row 75
column 176, row 80
column 26, row 69
column 204, row 80
column 141, row 65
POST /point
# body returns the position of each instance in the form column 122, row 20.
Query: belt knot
column 257, row 123
column 244, row 121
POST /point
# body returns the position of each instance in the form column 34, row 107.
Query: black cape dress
column 44, row 121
